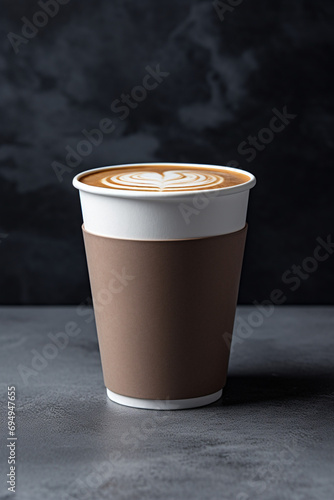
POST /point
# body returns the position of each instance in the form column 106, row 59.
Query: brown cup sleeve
column 163, row 311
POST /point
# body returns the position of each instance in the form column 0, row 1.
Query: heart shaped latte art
column 168, row 181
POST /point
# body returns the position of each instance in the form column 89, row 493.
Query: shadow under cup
column 164, row 306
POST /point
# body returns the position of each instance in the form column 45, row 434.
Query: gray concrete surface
column 270, row 437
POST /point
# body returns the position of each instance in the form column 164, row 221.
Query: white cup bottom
column 172, row 404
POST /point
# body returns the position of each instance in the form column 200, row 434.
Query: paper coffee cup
column 164, row 271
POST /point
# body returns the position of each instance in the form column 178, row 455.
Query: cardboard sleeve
column 164, row 312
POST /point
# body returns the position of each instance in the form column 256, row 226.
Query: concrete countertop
column 270, row 436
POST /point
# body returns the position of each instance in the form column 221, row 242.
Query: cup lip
column 223, row 191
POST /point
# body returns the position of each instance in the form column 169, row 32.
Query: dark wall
column 229, row 73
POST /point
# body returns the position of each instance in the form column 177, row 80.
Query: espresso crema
column 164, row 178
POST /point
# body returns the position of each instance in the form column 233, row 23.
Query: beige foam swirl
column 169, row 181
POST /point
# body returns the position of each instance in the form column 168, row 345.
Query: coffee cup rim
column 222, row 191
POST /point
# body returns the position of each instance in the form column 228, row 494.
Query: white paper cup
column 151, row 234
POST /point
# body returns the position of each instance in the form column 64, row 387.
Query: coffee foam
column 159, row 178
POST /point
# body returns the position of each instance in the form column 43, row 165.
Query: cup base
column 164, row 404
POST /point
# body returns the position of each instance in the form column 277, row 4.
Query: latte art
column 165, row 179
column 173, row 180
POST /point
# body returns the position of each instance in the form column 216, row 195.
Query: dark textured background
column 225, row 77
